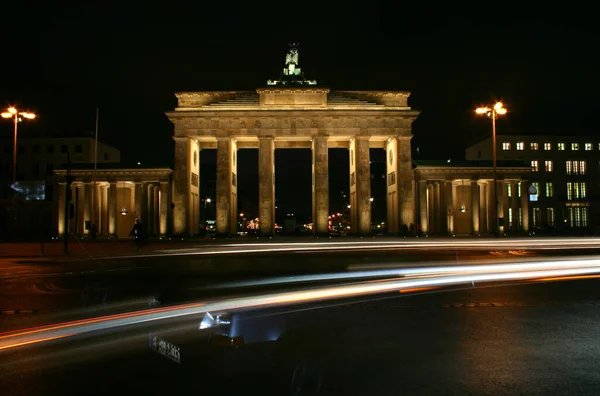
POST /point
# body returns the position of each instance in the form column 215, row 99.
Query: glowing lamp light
column 501, row 111
column 7, row 115
column 12, row 110
column 29, row 116
column 482, row 110
column 498, row 106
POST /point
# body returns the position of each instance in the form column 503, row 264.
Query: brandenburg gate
column 292, row 112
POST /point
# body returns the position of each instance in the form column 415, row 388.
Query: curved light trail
column 447, row 276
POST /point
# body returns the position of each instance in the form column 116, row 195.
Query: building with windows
column 565, row 177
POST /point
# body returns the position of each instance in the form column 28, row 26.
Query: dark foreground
column 534, row 338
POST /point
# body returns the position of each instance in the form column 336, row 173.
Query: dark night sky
column 129, row 58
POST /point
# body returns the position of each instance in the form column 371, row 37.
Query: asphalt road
column 530, row 338
column 40, row 292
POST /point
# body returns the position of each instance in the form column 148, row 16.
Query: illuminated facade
column 292, row 112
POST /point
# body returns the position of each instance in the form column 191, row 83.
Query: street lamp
column 497, row 110
column 17, row 116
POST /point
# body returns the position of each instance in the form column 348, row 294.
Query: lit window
column 578, row 216
column 575, row 167
column 520, row 146
column 549, row 189
column 549, row 166
column 535, row 166
column 506, row 146
column 576, row 190
column 536, row 216
column 588, row 147
column 550, row 216
column 574, row 146
column 547, row 146
column 561, row 147
column 533, row 146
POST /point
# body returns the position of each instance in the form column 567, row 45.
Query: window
column 574, row 146
column 520, row 146
column 536, row 217
column 64, row 148
column 550, row 216
column 79, row 149
column 549, row 166
column 533, row 146
column 575, row 167
column 549, row 189
column 534, row 197
column 588, row 147
column 50, row 149
column 36, row 148
column 576, row 190
column 506, row 146
column 578, row 216
column 561, row 147
column 535, row 166
column 547, row 146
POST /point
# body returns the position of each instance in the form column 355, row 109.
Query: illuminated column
column 514, row 206
column 164, row 207
column 490, row 206
column 320, row 185
column 112, row 208
column 186, row 184
column 483, row 224
column 155, row 211
column 475, row 194
column 226, row 186
column 62, row 196
column 149, row 208
column 450, row 197
column 360, row 185
column 87, row 205
column 400, row 184
column 103, row 209
column 423, row 208
column 266, row 185
column 437, row 207
column 524, row 206
column 140, row 198
column 505, row 204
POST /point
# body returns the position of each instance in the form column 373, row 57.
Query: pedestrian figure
column 137, row 232
column 404, row 230
column 411, row 229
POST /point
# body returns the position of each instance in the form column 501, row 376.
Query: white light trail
column 62, row 330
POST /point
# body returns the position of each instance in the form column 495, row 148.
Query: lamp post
column 497, row 110
column 17, row 117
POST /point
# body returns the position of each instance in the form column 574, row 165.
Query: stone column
column 423, row 208
column 112, row 208
column 186, row 184
column 505, row 204
column 155, row 211
column 490, row 207
column 103, row 210
column 360, row 175
column 400, row 184
column 139, row 198
column 164, row 207
column 62, row 197
column 97, row 209
column 87, row 205
column 437, row 207
column 226, row 186
column 266, row 185
column 483, row 218
column 320, row 185
column 450, row 190
column 514, row 206
column 475, row 207
column 149, row 209
column 524, row 206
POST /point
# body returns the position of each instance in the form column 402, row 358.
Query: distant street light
column 497, row 110
column 17, row 116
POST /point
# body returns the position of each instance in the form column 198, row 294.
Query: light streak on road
column 411, row 243
column 45, row 333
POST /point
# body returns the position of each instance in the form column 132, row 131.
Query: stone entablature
column 386, row 98
column 475, row 173
column 292, row 97
column 146, row 175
